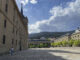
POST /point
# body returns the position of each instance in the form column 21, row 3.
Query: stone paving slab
column 45, row 54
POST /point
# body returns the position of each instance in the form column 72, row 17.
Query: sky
column 51, row 15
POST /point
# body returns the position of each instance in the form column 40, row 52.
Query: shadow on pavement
column 33, row 55
column 60, row 51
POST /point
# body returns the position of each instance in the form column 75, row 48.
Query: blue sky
column 51, row 15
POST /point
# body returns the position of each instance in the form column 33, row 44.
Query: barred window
column 4, row 38
column 6, row 8
column 12, row 41
column 5, row 23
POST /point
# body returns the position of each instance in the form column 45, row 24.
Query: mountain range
column 48, row 34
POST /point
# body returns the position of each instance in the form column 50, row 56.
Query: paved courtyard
column 45, row 54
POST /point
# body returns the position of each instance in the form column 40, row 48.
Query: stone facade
column 13, row 30
column 63, row 38
column 73, row 36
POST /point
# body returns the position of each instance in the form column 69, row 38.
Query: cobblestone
column 45, row 54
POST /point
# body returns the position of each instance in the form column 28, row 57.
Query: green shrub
column 32, row 46
column 70, row 43
column 57, row 44
column 64, row 43
column 41, row 45
column 76, row 43
column 53, row 44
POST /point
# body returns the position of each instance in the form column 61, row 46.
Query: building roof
column 21, row 16
column 77, row 31
column 38, row 40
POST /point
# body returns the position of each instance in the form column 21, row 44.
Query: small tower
column 22, row 9
column 25, row 19
column 78, row 30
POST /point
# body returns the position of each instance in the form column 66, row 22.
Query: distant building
column 77, row 30
column 52, row 39
column 13, row 27
column 38, row 42
column 43, row 38
column 76, row 35
column 65, row 37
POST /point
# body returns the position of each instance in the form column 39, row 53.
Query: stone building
column 71, row 36
column 52, row 39
column 76, row 35
column 13, row 27
column 38, row 42
column 65, row 37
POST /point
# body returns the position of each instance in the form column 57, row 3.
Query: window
column 12, row 41
column 14, row 15
column 13, row 30
column 75, row 36
column 5, row 23
column 4, row 38
column 13, row 19
column 16, row 32
column 16, row 42
column 6, row 7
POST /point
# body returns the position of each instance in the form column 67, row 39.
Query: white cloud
column 24, row 2
column 33, row 1
column 62, row 19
